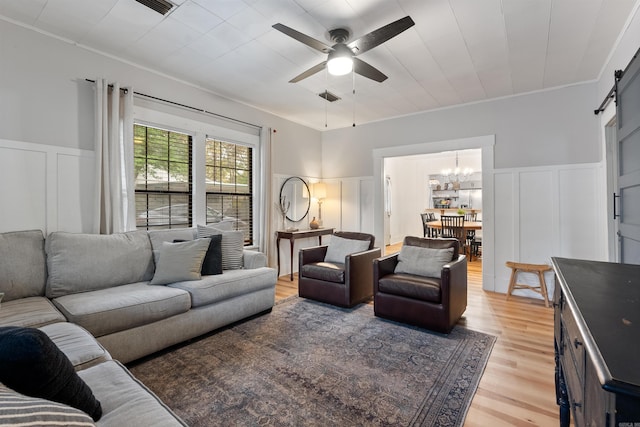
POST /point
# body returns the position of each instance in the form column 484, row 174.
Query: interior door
column 627, row 199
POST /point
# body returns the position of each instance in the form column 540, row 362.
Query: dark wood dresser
column 597, row 342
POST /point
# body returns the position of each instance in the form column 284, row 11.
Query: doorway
column 485, row 145
column 422, row 181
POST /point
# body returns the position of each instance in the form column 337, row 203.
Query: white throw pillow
column 232, row 246
column 420, row 261
column 180, row 262
column 339, row 248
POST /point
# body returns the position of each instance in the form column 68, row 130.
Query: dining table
column 468, row 226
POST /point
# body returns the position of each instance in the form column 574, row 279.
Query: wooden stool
column 538, row 269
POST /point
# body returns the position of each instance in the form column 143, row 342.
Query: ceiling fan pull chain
column 326, row 95
column 354, row 97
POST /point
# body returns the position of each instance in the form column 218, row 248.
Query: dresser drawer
column 573, row 343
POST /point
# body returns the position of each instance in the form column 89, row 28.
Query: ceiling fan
column 342, row 55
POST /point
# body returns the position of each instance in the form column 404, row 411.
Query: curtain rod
column 199, row 110
column 612, row 93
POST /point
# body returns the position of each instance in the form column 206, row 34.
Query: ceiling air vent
column 328, row 96
column 160, row 6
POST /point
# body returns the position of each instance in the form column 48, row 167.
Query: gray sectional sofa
column 94, row 296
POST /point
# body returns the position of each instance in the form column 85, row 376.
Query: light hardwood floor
column 517, row 388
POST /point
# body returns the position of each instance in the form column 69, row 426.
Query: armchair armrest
column 358, row 270
column 313, row 254
column 385, row 265
column 454, row 281
column 361, row 263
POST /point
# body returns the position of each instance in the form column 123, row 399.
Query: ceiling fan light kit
column 340, row 61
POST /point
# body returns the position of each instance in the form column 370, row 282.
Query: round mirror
column 295, row 199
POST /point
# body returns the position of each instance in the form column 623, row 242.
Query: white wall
column 554, row 127
column 46, row 102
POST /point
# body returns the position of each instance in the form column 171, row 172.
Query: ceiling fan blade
column 381, row 35
column 303, row 38
column 369, row 71
column 311, row 71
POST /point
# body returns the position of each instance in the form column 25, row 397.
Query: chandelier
column 457, row 175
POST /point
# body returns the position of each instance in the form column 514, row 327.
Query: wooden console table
column 597, row 330
column 301, row 234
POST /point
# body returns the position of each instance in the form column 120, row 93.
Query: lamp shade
column 319, row 190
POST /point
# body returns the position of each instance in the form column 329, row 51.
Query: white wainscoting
column 45, row 187
column 544, row 212
column 538, row 213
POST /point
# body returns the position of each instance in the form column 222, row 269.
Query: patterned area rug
column 312, row 364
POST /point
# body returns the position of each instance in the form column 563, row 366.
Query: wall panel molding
column 46, row 187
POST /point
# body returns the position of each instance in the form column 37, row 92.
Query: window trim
column 176, row 119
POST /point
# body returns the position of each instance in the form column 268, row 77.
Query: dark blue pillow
column 31, row 364
column 212, row 263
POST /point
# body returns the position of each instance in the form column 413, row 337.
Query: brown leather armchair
column 434, row 303
column 343, row 284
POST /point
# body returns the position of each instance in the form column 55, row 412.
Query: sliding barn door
column 627, row 199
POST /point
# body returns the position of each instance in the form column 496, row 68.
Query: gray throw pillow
column 232, row 246
column 339, row 248
column 179, row 262
column 426, row 262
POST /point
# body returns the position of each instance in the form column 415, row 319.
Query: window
column 229, row 185
column 162, row 167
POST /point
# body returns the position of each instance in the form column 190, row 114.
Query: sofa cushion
column 82, row 349
column 212, row 262
column 232, row 283
column 20, row 410
column 423, row 261
column 180, row 261
column 325, row 271
column 157, row 237
column 88, row 262
column 32, row 311
column 23, row 270
column 410, row 286
column 125, row 400
column 123, row 307
column 339, row 248
column 30, row 363
column 232, row 246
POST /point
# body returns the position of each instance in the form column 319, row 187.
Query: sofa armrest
column 253, row 259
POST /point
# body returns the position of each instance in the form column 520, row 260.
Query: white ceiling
column 459, row 51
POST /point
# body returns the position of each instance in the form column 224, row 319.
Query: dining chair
column 426, row 230
column 453, row 227
column 471, row 234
